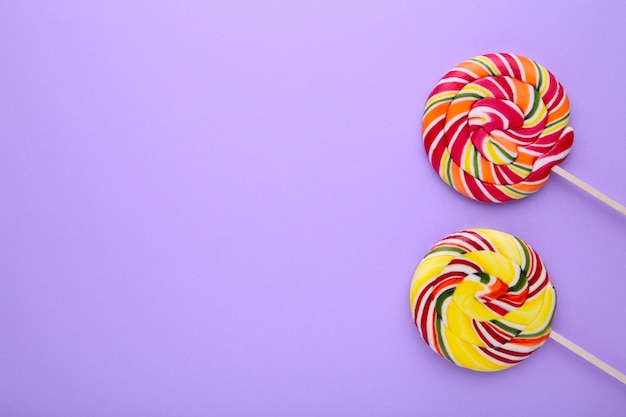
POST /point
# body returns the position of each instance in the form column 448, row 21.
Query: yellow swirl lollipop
column 482, row 299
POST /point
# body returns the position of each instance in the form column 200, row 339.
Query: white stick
column 588, row 357
column 586, row 187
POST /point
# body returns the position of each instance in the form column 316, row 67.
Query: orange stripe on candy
column 559, row 112
column 457, row 182
column 459, row 107
column 476, row 68
column 434, row 113
column 530, row 341
column 530, row 70
column 522, row 95
column 486, row 171
column 528, row 188
column 504, row 142
column 525, row 159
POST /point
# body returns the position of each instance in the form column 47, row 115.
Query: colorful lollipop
column 496, row 126
column 482, row 299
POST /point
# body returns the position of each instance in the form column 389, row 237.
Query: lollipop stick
column 586, row 187
column 588, row 357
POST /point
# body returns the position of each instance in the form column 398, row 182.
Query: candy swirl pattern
column 495, row 125
column 482, row 299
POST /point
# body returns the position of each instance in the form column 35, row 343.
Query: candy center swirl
column 501, row 122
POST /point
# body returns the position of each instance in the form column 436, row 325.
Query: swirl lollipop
column 482, row 299
column 496, row 126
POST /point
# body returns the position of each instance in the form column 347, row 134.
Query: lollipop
column 482, row 299
column 496, row 126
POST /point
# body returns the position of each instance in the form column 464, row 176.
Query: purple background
column 216, row 207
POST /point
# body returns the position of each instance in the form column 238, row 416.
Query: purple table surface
column 216, row 207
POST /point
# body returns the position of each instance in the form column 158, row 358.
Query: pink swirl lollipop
column 495, row 125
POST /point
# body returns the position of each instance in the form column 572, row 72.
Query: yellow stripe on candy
column 461, row 324
column 467, row 163
column 495, row 264
column 477, row 89
column 544, row 314
column 505, row 245
column 489, row 64
column 465, row 297
column 428, row 269
column 545, row 80
column 532, row 309
column 468, row 356
column 519, row 171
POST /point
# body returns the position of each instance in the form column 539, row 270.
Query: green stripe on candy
column 502, row 150
column 514, row 191
column 509, row 329
column 482, row 64
column 471, row 95
column 442, row 345
column 446, row 249
column 524, row 168
column 526, row 266
column 438, row 306
column 540, row 333
column 441, row 299
column 535, row 108
column 557, row 121
column 540, row 75
column 476, row 158
column 520, row 283
column 484, row 277
column 434, row 103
